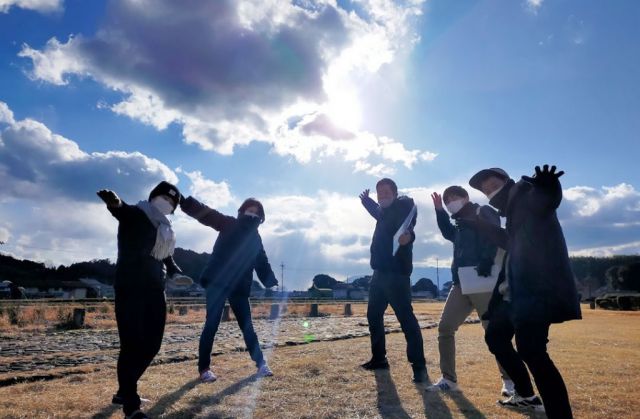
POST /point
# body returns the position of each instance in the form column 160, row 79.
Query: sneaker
column 529, row 403
column 264, row 371
column 138, row 414
column 508, row 388
column 444, row 384
column 207, row 376
column 117, row 399
column 420, row 375
column 376, row 365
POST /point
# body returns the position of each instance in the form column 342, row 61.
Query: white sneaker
column 207, row 376
column 264, row 371
column 508, row 388
column 444, row 385
column 526, row 403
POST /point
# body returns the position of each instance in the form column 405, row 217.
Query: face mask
column 454, row 206
column 500, row 199
column 385, row 203
column 162, row 205
column 494, row 193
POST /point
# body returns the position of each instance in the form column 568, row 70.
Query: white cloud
column 534, row 5
column 207, row 191
column 43, row 6
column 255, row 66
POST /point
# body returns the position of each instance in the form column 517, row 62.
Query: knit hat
column 252, row 202
column 477, row 179
column 167, row 189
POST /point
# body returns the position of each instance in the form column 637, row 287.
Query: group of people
column 528, row 262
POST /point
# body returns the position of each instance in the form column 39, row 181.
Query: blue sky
column 305, row 104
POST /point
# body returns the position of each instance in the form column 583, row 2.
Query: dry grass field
column 598, row 356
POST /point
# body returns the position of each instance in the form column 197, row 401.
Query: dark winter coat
column 541, row 283
column 238, row 250
column 469, row 247
column 389, row 221
column 136, row 268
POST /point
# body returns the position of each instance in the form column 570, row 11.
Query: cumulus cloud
column 43, row 6
column 534, row 5
column 37, row 162
column 230, row 73
column 214, row 194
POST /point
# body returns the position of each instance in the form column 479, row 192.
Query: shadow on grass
column 168, row 400
column 107, row 412
column 468, row 409
column 434, row 406
column 198, row 404
column 388, row 403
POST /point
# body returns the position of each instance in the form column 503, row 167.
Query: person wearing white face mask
column 146, row 243
column 468, row 250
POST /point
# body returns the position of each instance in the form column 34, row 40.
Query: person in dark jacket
column 146, row 243
column 536, row 287
column 391, row 282
column 237, row 252
column 469, row 249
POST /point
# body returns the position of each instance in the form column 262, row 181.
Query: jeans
column 531, row 342
column 141, row 316
column 394, row 289
column 216, row 297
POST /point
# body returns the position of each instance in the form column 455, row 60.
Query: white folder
column 403, row 229
column 472, row 283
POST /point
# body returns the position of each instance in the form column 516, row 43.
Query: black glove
column 269, row 281
column 544, row 177
column 109, row 197
column 484, row 267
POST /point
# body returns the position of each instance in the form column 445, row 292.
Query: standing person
column 469, row 249
column 391, row 282
column 536, row 287
column 146, row 243
column 236, row 253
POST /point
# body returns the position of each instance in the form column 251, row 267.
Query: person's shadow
column 468, row 409
column 434, row 406
column 388, row 403
column 198, row 404
column 107, row 412
column 169, row 399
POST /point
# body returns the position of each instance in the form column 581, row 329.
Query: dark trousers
column 216, row 297
column 141, row 316
column 531, row 343
column 394, row 289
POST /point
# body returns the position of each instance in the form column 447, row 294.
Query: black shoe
column 376, row 365
column 420, row 375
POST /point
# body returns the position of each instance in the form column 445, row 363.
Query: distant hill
column 616, row 272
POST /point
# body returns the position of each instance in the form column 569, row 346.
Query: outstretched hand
column 437, row 200
column 109, row 197
column 546, row 176
column 364, row 194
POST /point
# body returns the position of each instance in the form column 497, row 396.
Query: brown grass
column 598, row 357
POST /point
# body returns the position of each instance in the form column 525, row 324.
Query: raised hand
column 364, row 195
column 109, row 197
column 546, row 176
column 437, row 201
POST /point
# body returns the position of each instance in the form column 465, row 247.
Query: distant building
column 65, row 290
column 101, row 290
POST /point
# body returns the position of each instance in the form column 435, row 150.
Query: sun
column 344, row 109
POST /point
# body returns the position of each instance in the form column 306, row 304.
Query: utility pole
column 438, row 276
column 282, row 276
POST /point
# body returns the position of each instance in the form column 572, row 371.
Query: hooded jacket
column 237, row 251
column 541, row 283
column 388, row 222
column 469, row 247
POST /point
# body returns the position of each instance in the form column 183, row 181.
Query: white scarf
column 165, row 237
